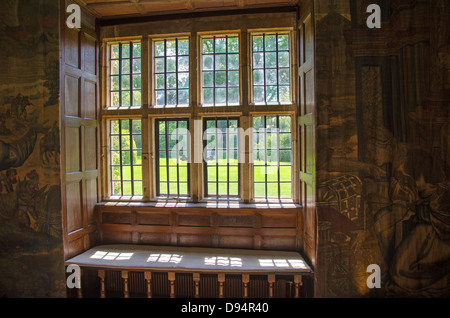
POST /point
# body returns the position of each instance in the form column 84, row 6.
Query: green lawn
column 223, row 172
column 260, row 173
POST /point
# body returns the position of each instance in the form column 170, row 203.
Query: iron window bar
column 166, row 152
column 214, row 70
column 166, row 73
column 121, row 160
column 121, row 59
column 216, row 148
column 262, row 135
column 266, row 68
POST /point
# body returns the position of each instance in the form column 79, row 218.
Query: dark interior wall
column 31, row 252
column 383, row 148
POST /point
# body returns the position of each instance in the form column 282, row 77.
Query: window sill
column 205, row 203
column 290, row 104
column 218, row 106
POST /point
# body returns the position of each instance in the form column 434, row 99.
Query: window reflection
column 165, row 258
column 297, row 263
column 111, row 256
column 223, row 261
column 290, row 263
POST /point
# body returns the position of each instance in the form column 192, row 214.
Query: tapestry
column 383, row 149
column 31, row 255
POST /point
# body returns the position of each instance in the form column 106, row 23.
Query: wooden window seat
column 133, row 270
column 192, row 250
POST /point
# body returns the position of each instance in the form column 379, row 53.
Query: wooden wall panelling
column 79, row 132
column 274, row 228
column 307, row 128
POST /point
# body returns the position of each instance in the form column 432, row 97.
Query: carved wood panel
column 269, row 229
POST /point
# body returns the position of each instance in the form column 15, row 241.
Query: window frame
column 196, row 112
column 152, row 57
column 120, row 150
column 265, row 69
column 109, row 89
column 279, row 182
column 206, row 182
column 201, row 37
column 293, row 83
column 157, row 170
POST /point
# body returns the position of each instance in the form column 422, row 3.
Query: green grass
column 260, row 173
column 169, row 174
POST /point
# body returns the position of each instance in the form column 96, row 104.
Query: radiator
column 140, row 284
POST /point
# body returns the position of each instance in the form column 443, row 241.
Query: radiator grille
column 258, row 287
column 160, row 285
column 208, row 286
column 185, row 286
column 233, row 287
column 113, row 284
column 137, row 284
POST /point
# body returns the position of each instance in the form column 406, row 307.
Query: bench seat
column 150, row 259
